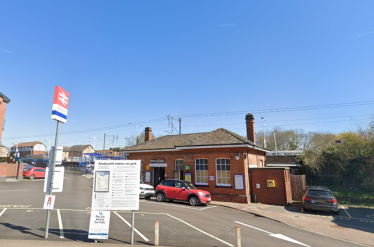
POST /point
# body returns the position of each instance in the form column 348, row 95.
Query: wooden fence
column 298, row 183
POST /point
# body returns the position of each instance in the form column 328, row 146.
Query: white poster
column 49, row 201
column 99, row 225
column 58, row 156
column 116, row 185
column 58, row 179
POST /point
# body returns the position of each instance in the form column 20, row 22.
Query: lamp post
column 264, row 132
column 135, row 131
column 94, row 137
column 49, row 147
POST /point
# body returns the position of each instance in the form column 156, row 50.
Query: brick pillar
column 250, row 122
column 2, row 114
column 148, row 134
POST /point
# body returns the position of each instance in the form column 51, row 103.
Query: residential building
column 4, row 151
column 4, row 101
column 28, row 148
column 78, row 150
column 221, row 162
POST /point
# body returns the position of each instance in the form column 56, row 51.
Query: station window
column 223, row 172
column 201, row 176
column 179, row 165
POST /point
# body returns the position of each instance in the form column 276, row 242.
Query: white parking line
column 2, row 212
column 177, row 206
column 60, row 224
column 346, row 211
column 200, row 230
column 141, row 235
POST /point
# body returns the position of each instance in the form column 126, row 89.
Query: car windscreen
column 321, row 193
column 189, row 185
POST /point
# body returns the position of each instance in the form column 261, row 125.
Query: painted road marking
column 15, row 206
column 141, row 235
column 60, row 224
column 280, row 236
column 200, row 230
column 178, row 206
column 346, row 211
column 2, row 212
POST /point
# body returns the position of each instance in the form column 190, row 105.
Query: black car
column 320, row 198
column 42, row 163
column 30, row 161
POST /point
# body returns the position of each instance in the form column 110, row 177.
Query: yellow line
column 346, row 211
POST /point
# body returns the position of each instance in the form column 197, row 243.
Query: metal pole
column 180, row 125
column 238, row 237
column 275, row 143
column 52, row 177
column 264, row 133
column 132, row 226
column 104, row 145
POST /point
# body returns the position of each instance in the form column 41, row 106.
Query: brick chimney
column 148, row 134
column 250, row 122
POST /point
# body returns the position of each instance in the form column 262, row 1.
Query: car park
column 34, row 172
column 171, row 189
column 146, row 190
column 320, row 198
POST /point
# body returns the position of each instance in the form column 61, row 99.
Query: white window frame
column 142, row 170
column 175, row 165
column 207, row 177
column 220, row 184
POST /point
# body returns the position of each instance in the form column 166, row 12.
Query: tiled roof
column 217, row 137
column 66, row 149
column 27, row 144
column 6, row 99
column 78, row 148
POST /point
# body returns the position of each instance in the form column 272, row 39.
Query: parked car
column 320, row 198
column 34, row 172
column 27, row 167
column 19, row 159
column 180, row 190
column 146, row 190
column 42, row 162
column 30, row 161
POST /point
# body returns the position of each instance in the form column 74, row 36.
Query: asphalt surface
column 23, row 219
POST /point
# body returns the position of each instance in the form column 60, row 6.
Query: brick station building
column 229, row 166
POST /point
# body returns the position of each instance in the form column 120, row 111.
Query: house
column 28, row 148
column 78, row 150
column 284, row 159
column 108, row 152
column 4, row 101
column 4, row 151
column 221, row 162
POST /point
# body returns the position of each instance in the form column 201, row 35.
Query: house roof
column 216, row 137
column 66, row 149
column 2, row 146
column 79, row 148
column 6, row 99
column 27, row 144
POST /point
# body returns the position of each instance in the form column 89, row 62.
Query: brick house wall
column 280, row 194
column 219, row 193
column 3, row 105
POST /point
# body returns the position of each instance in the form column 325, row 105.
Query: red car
column 182, row 191
column 34, row 172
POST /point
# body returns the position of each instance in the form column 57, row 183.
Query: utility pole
column 135, row 132
column 275, row 142
column 104, row 143
column 180, row 124
column 49, row 147
column 264, row 132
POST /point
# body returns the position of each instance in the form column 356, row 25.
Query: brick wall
column 2, row 115
column 280, row 194
column 219, row 193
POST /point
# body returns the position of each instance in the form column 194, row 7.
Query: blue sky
column 138, row 61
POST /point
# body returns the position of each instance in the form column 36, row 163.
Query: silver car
column 320, row 198
column 146, row 190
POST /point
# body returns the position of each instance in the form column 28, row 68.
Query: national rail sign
column 60, row 105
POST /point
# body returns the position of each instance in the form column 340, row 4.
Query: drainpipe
column 250, row 188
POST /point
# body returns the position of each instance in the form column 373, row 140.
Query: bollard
column 238, row 237
column 156, row 233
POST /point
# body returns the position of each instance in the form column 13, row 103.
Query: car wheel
column 160, row 197
column 194, row 201
column 31, row 177
column 147, row 197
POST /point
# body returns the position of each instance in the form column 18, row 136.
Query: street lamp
column 49, row 147
column 94, row 137
column 264, row 132
column 135, row 131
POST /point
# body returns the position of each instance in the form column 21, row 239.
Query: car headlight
column 201, row 193
column 141, row 188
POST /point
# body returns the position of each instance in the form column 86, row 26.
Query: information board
column 99, row 225
column 58, row 179
column 116, row 185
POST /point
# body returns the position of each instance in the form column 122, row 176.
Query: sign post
column 59, row 113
